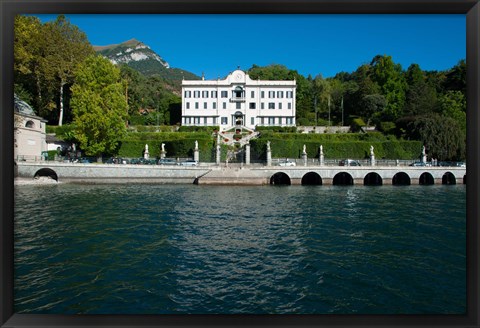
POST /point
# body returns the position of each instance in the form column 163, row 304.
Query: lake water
column 227, row 250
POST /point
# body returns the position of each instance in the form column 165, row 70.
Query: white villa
column 238, row 101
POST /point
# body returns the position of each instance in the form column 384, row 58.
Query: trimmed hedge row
column 337, row 150
column 327, row 137
column 161, row 136
column 175, row 148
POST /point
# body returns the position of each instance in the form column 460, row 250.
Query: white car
column 189, row 162
column 286, row 163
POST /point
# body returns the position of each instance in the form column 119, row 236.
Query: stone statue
column 423, row 150
column 371, row 151
column 268, row 146
column 321, row 149
column 196, row 144
column 163, row 147
column 304, row 149
column 146, row 148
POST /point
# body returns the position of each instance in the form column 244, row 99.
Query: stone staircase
column 227, row 137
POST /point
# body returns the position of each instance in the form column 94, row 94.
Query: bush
column 208, row 129
column 281, row 129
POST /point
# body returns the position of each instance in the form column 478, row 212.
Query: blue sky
column 310, row 44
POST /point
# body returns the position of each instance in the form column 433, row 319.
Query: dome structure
column 22, row 107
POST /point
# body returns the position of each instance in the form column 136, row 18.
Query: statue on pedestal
column 163, row 147
column 268, row 146
column 304, row 149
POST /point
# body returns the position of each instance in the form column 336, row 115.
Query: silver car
column 189, row 162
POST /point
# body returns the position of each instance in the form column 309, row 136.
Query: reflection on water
column 215, row 249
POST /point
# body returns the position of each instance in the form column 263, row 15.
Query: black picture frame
column 9, row 8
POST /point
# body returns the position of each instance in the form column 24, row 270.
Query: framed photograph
column 262, row 163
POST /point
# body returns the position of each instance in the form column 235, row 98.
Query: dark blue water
column 213, row 249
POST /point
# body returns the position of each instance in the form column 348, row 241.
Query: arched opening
column 448, row 179
column 238, row 118
column 280, row 178
column 343, row 179
column 372, row 179
column 401, row 179
column 238, row 92
column 311, row 178
column 30, row 124
column 46, row 173
column 426, row 179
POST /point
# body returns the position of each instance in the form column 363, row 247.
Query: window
column 252, row 105
column 214, row 120
column 271, row 121
column 262, row 94
column 252, row 121
column 196, row 105
column 196, row 120
column 280, row 121
column 205, row 120
column 262, row 106
column 187, row 105
column 252, row 94
column 279, row 105
column 188, row 94
column 262, row 121
column 196, row 94
column 289, row 105
column 224, row 94
column 271, row 94
column 279, row 94
column 289, row 94
column 204, row 105
column 204, row 94
column 214, row 94
column 289, row 120
column 238, row 106
column 271, row 105
column 224, row 120
column 187, row 120
column 214, row 105
column 224, row 105
column 30, row 125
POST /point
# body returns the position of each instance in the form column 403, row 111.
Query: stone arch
column 449, row 179
column 46, row 172
column 280, row 178
column 426, row 178
column 312, row 178
column 343, row 179
column 372, row 179
column 30, row 124
column 401, row 179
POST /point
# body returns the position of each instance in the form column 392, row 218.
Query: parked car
column 420, row 164
column 189, row 162
column 461, row 164
column 349, row 162
column 167, row 161
column 286, row 163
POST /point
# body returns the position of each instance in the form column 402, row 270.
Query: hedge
column 337, row 149
column 175, row 148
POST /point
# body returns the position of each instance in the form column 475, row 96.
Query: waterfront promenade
column 241, row 175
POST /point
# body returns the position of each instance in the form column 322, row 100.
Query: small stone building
column 29, row 132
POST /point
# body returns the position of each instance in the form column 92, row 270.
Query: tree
column 371, row 105
column 421, row 97
column 389, row 77
column 453, row 104
column 65, row 48
column 99, row 107
column 442, row 136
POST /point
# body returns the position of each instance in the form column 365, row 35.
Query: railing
column 237, row 99
column 253, row 162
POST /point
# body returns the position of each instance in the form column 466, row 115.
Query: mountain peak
column 130, row 51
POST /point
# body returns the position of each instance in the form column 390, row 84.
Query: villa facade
column 238, row 101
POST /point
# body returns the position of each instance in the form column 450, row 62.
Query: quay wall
column 233, row 175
